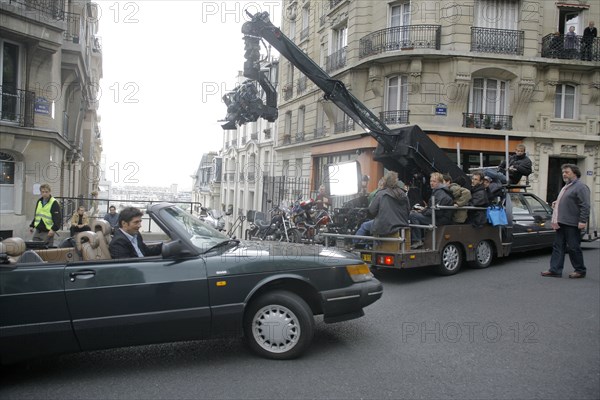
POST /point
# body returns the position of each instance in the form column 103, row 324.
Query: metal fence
column 97, row 208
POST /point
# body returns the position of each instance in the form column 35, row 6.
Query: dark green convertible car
column 204, row 284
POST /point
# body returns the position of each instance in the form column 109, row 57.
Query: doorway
column 555, row 182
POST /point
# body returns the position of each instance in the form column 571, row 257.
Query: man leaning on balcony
column 589, row 34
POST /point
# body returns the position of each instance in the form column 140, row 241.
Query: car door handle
column 84, row 274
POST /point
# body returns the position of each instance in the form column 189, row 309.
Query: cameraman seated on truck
column 442, row 197
column 519, row 165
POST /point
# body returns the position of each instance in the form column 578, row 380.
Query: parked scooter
column 277, row 227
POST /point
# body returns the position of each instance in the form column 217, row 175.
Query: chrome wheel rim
column 450, row 258
column 276, row 328
column 484, row 252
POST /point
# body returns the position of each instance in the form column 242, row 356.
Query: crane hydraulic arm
column 335, row 90
column 408, row 150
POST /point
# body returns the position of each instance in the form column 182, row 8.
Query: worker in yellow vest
column 47, row 219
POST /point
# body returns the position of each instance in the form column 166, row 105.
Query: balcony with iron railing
column 304, row 33
column 344, row 126
column 49, row 9
column 17, row 106
column 320, row 132
column 301, row 84
column 74, row 27
column 569, row 47
column 299, row 137
column 407, row 37
column 287, row 139
column 394, row 117
column 487, row 121
column 288, row 91
column 97, row 44
column 254, row 136
column 336, row 60
column 499, row 41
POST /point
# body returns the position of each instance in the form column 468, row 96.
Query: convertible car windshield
column 201, row 235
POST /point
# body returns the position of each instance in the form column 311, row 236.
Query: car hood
column 291, row 251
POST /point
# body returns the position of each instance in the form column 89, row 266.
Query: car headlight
column 359, row 272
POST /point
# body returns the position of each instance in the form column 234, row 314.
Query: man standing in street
column 47, row 219
column 570, row 215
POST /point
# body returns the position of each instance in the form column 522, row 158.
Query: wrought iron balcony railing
column 487, row 121
column 97, row 44
column 288, row 91
column 17, row 106
column 299, row 137
column 301, row 85
column 394, row 117
column 501, row 41
column 320, row 132
column 74, row 27
column 254, row 136
column 322, row 20
column 344, row 126
column 571, row 47
column 51, row 9
column 336, row 60
column 304, row 33
column 400, row 38
column 287, row 139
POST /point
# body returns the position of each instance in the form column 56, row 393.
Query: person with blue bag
column 571, row 211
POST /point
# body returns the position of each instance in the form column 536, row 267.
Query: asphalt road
column 500, row 333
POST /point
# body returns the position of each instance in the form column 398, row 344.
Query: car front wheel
column 279, row 325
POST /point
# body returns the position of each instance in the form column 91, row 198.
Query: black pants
column 567, row 240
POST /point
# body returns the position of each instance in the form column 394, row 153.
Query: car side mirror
column 175, row 249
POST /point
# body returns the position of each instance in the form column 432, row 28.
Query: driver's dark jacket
column 121, row 247
column 391, row 209
column 443, row 197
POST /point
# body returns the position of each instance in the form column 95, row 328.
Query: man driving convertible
column 128, row 241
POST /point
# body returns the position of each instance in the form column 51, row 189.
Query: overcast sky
column 166, row 65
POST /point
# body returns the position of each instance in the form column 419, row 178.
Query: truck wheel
column 279, row 325
column 484, row 254
column 451, row 261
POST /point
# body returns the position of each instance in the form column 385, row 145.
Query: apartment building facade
column 51, row 58
column 474, row 76
column 206, row 182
